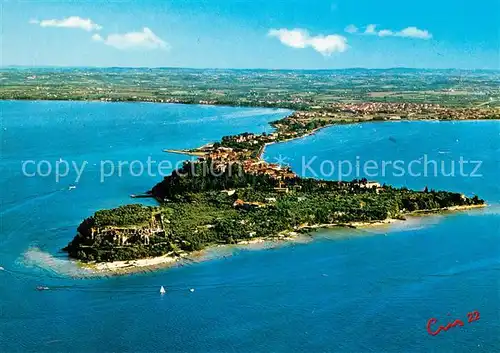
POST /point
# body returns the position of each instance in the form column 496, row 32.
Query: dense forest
column 199, row 209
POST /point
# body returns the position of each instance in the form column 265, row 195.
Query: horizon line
column 241, row 69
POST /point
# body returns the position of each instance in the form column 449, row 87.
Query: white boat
column 71, row 187
column 162, row 290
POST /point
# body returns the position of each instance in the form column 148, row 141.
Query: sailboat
column 162, row 290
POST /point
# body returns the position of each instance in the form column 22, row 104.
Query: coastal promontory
column 200, row 209
column 229, row 194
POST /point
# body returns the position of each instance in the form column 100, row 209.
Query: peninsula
column 230, row 195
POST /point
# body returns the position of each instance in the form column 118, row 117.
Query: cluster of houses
column 395, row 111
column 411, row 109
column 383, row 107
column 252, row 139
column 223, row 154
column 273, row 170
column 222, row 157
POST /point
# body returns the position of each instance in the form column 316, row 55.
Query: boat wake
column 488, row 264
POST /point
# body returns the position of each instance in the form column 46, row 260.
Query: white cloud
column 329, row 44
column 97, row 37
column 408, row 32
column 133, row 40
column 300, row 38
column 414, row 32
column 351, row 29
column 71, row 22
column 385, row 33
column 295, row 38
column 370, row 29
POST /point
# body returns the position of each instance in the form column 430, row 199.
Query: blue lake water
column 369, row 290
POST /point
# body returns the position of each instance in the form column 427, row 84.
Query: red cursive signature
column 471, row 317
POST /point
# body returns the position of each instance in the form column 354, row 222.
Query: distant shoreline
column 290, row 107
column 196, row 152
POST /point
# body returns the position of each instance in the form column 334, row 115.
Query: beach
column 258, row 243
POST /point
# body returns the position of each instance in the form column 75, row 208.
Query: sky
column 272, row 34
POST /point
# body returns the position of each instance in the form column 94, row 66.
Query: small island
column 230, row 195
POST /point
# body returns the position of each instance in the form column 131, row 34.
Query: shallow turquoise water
column 349, row 290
